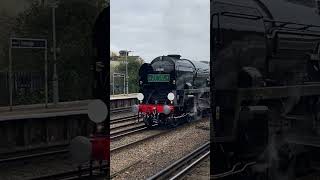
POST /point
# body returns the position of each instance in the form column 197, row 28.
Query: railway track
column 134, row 143
column 180, row 167
column 81, row 173
column 124, row 126
column 123, row 119
column 127, row 131
column 139, row 141
column 33, row 153
column 64, row 150
column 27, row 155
column 200, row 171
column 121, row 110
column 161, row 132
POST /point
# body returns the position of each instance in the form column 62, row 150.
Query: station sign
column 28, row 43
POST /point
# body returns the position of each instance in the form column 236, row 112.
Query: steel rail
column 174, row 170
column 125, row 125
column 138, row 141
column 120, row 109
column 126, row 132
column 122, row 119
column 192, row 165
column 30, row 156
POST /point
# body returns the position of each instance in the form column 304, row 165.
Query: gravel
column 148, row 158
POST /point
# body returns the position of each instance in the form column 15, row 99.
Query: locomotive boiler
column 172, row 90
column 266, row 73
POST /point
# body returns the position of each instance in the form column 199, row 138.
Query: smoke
column 173, row 22
column 186, row 25
column 279, row 158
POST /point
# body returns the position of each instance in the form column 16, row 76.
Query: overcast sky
column 152, row 28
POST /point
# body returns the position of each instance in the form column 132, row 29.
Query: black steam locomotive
column 172, row 90
column 266, row 60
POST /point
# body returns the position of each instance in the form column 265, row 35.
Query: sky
column 151, row 28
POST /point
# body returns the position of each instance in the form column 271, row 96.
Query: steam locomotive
column 172, row 90
column 266, row 60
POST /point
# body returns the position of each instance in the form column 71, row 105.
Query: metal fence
column 25, row 85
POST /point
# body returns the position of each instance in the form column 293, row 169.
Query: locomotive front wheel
column 172, row 123
column 188, row 118
column 175, row 123
column 148, row 122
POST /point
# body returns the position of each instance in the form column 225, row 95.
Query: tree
column 113, row 54
column 133, row 72
column 74, row 23
column 7, row 22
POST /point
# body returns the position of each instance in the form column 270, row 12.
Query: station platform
column 35, row 126
column 121, row 96
column 61, row 109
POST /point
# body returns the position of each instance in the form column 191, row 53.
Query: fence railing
column 25, row 85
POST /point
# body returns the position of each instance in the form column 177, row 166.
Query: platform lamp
column 127, row 77
column 54, row 4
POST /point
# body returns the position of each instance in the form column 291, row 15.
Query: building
column 116, row 59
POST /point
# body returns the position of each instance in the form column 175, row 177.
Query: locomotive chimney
column 177, row 56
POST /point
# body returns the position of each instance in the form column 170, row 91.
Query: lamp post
column 127, row 77
column 55, row 84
